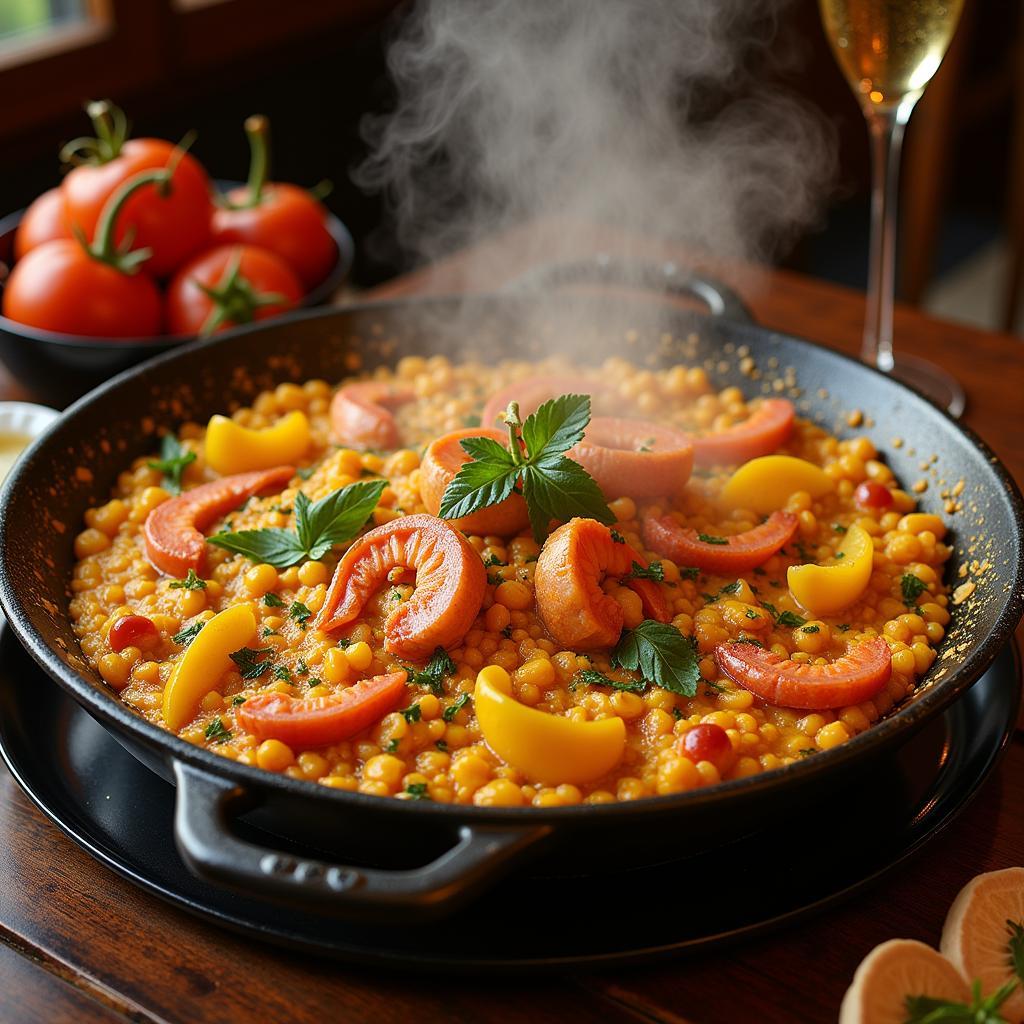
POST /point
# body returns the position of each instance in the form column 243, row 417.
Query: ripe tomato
column 289, row 222
column 872, row 494
column 172, row 220
column 227, row 286
column 285, row 219
column 60, row 286
column 43, row 221
column 133, row 631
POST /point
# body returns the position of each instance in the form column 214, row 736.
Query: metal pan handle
column 206, row 805
column 666, row 278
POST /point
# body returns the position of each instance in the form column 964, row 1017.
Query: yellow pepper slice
column 764, row 485
column 547, row 748
column 828, row 589
column 232, row 448
column 205, row 660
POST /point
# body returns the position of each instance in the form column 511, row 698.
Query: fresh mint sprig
column 318, row 527
column 174, row 459
column 534, row 464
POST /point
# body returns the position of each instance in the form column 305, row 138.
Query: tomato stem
column 514, row 423
column 111, row 128
column 257, row 129
column 234, row 299
column 103, row 247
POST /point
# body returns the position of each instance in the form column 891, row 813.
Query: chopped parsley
column 215, row 731
column 751, row 614
column 302, row 668
column 810, row 629
column 412, row 713
column 391, row 747
column 839, row 528
column 707, row 538
column 491, row 560
column 306, row 472
column 453, row 709
column 912, row 587
column 791, row 619
column 252, row 662
column 271, row 600
column 283, row 673
column 239, row 699
column 300, row 613
column 617, row 537
column 807, row 751
column 689, row 572
column 173, row 461
column 654, row 571
column 417, row 791
column 442, row 746
column 591, row 677
column 433, row 673
column 190, row 582
column 185, row 636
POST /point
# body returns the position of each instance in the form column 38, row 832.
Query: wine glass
column 889, row 50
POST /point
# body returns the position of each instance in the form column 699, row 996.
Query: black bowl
column 58, row 368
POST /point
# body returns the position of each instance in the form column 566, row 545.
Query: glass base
column 941, row 387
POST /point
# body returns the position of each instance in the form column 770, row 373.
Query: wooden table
column 78, row 944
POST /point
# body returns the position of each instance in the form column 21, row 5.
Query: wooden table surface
column 79, row 944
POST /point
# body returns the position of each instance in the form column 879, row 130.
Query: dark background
column 315, row 86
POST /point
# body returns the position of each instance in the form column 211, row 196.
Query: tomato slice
column 738, row 553
column 305, row 722
column 652, row 598
column 173, row 530
column 851, row 679
column 760, row 434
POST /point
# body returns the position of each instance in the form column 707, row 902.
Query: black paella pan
column 387, row 858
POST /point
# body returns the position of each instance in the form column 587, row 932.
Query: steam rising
column 593, row 111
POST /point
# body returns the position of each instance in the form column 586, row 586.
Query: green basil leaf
column 337, row 517
column 478, row 485
column 277, row 547
column 174, row 458
column 659, row 652
column 556, row 426
column 558, row 488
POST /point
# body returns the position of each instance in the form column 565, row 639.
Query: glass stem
column 886, row 129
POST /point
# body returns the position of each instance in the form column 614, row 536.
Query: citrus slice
column 976, row 935
column 765, row 484
column 893, row 971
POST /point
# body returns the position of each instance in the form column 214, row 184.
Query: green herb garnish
column 432, row 674
column 553, row 485
column 306, row 472
column 791, row 619
column 271, row 600
column 654, row 571
column 318, row 527
column 912, row 587
column 442, row 746
column 689, row 573
column 810, row 629
column 300, row 613
column 190, row 582
column 215, row 731
column 616, row 536
column 174, row 459
column 707, row 538
column 453, row 709
column 1016, row 947
column 751, row 614
column 391, row 747
column 283, row 673
column 185, row 636
column 660, row 653
column 491, row 560
column 929, row 1010
column 839, row 528
column 238, row 700
column 302, row 668
column 412, row 713
column 417, row 791
column 252, row 662
column 591, row 677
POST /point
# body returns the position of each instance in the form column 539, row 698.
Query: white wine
column 889, row 49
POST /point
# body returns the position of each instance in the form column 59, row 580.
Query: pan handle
column 667, row 278
column 207, row 803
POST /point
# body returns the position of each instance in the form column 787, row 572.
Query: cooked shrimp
column 362, row 417
column 450, row 584
column 173, row 531
column 567, row 584
column 442, row 461
column 634, row 457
